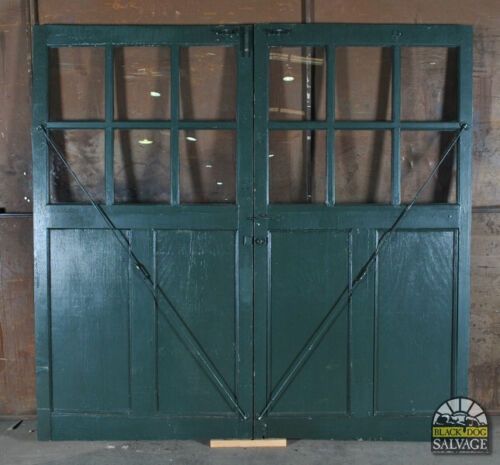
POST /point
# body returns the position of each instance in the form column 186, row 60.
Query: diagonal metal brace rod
column 348, row 291
column 172, row 316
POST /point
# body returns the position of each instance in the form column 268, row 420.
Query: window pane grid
column 395, row 124
column 138, row 70
column 174, row 124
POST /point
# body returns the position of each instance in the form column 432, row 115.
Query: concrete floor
column 20, row 447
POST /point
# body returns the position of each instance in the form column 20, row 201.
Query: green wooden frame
column 252, row 43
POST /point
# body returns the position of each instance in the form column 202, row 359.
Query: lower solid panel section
column 73, row 426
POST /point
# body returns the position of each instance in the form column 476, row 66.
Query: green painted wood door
column 114, row 359
column 377, row 364
column 241, row 232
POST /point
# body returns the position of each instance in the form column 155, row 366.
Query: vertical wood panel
column 309, row 270
column 415, row 285
column 90, row 330
column 196, row 270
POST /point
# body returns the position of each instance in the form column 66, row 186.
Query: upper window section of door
column 165, row 114
column 363, row 82
column 204, row 86
column 427, row 89
column 204, row 76
column 372, row 101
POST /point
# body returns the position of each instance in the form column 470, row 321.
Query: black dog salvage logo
column 460, row 426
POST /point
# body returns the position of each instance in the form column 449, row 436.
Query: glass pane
column 84, row 152
column 142, row 166
column 421, row 151
column 208, row 166
column 297, row 166
column 208, row 83
column 363, row 167
column 297, row 83
column 76, row 83
column 363, row 82
column 429, row 87
column 142, row 83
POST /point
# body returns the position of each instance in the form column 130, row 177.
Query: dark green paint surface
column 414, row 325
column 197, row 271
column 90, row 321
column 241, row 289
column 319, row 262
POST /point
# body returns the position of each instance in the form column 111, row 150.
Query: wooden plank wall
column 16, row 301
column 17, row 364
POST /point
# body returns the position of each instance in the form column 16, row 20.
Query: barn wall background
column 17, row 367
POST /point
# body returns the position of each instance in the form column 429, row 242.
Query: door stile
column 262, row 387
column 244, row 248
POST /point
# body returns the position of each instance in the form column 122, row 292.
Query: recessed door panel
column 414, row 322
column 90, row 321
column 309, row 270
column 197, row 271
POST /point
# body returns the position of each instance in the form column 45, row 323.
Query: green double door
column 240, row 213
